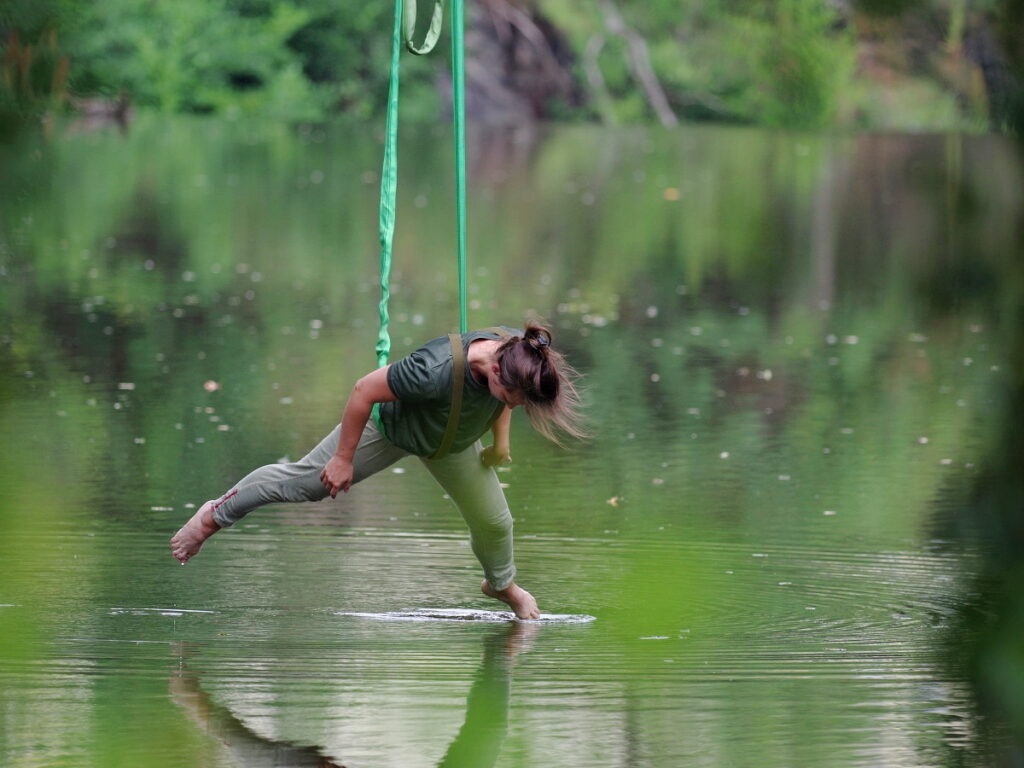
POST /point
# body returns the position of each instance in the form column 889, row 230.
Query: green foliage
column 196, row 55
column 300, row 60
column 787, row 63
column 794, row 65
column 915, row 104
column 33, row 68
column 886, row 8
column 1010, row 26
column 783, row 63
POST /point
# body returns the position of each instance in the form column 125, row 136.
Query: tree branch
column 639, row 62
column 595, row 79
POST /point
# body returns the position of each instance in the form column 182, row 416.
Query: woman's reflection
column 479, row 739
column 477, row 744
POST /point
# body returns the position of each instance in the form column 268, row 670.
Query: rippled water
column 830, row 652
column 794, row 364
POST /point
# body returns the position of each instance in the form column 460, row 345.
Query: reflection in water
column 477, row 744
column 988, row 637
column 480, row 737
column 241, row 746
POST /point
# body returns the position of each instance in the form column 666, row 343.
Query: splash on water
column 155, row 611
column 467, row 614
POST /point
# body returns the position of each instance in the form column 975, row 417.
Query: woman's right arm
column 372, row 388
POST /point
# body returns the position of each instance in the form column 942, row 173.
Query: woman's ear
column 495, row 369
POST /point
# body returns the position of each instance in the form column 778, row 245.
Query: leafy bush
column 195, row 55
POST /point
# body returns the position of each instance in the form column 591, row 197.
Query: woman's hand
column 492, row 456
column 498, row 453
column 337, row 475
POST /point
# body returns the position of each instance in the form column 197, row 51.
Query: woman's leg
column 475, row 490
column 300, row 480
column 276, row 483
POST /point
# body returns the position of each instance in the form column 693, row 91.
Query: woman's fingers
column 332, row 486
column 331, row 489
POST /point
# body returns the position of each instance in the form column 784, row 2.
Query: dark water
column 797, row 353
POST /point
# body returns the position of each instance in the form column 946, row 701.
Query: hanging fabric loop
column 459, row 124
column 404, row 28
column 388, row 187
column 433, row 32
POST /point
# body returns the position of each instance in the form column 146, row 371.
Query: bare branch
column 595, row 79
column 639, row 62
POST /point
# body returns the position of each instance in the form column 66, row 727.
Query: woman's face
column 509, row 397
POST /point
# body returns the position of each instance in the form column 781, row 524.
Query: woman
column 435, row 404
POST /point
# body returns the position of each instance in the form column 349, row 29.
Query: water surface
column 796, row 352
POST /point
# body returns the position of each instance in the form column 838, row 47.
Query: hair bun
column 537, row 337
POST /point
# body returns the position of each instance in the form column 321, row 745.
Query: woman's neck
column 481, row 357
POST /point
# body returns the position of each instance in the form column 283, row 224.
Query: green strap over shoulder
column 458, row 382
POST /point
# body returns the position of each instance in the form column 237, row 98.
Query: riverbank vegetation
column 805, row 64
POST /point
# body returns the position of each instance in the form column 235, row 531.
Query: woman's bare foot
column 517, row 598
column 188, row 540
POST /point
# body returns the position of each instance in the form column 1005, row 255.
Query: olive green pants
column 473, row 487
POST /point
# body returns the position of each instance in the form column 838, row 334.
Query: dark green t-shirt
column 422, row 382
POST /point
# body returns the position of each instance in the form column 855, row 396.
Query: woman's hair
column 529, row 365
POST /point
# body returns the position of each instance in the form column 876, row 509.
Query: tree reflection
column 987, row 639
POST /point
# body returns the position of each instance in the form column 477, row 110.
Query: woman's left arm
column 496, row 454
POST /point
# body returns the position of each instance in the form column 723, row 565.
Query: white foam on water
column 154, row 611
column 467, row 614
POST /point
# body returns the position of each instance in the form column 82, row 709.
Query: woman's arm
column 372, row 388
column 498, row 453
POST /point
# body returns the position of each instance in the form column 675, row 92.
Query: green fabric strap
column 404, row 29
column 433, row 32
column 459, row 115
column 388, row 185
column 458, row 381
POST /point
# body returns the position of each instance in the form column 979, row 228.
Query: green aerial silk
column 459, row 119
column 404, row 27
column 409, row 27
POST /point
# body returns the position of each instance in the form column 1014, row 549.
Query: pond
column 796, row 351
